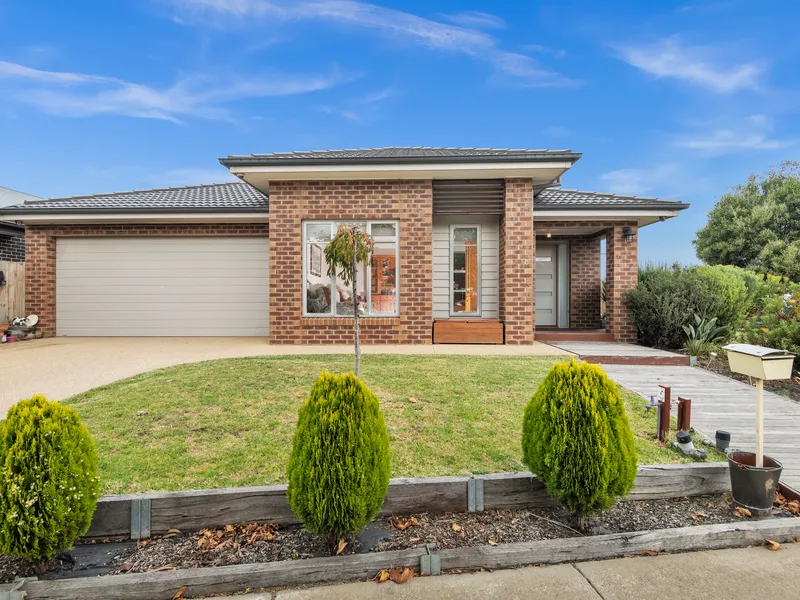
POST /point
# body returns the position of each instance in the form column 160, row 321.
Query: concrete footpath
column 737, row 574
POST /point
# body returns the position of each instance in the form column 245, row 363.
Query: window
column 376, row 283
column 464, row 267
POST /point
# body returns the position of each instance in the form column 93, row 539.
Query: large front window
column 376, row 283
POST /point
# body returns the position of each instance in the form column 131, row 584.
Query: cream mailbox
column 753, row 483
column 760, row 362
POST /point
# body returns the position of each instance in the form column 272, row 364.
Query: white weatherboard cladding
column 489, row 268
column 162, row 286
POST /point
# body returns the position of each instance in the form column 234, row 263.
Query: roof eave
column 672, row 206
column 265, row 161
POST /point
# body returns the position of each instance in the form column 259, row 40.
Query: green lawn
column 230, row 422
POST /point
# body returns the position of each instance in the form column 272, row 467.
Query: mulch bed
column 258, row 543
column 789, row 388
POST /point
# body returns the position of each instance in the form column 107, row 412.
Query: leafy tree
column 351, row 245
column 757, row 225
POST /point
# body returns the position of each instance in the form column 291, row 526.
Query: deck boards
column 719, row 402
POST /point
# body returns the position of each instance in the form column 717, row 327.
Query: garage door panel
column 208, row 286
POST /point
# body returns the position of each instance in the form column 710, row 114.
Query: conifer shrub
column 577, row 439
column 339, row 467
column 48, row 479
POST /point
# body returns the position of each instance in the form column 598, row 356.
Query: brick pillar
column 622, row 270
column 517, row 249
column 584, row 283
column 40, row 278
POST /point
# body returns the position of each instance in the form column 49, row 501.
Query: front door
column 546, row 285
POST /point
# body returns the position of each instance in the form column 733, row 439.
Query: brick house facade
column 511, row 194
column 12, row 248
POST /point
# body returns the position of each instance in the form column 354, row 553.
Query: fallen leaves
column 397, row 575
column 142, row 413
column 772, row 545
column 403, row 524
column 699, row 516
column 650, row 552
column 413, row 400
column 793, row 506
column 492, row 543
column 741, row 511
column 456, row 527
column 235, row 536
column 340, row 547
column 179, row 594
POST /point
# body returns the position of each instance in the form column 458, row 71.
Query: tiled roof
column 399, row 155
column 233, row 196
column 577, row 199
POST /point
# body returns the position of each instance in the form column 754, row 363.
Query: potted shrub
column 755, row 477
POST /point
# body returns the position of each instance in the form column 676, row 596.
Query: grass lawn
column 230, row 422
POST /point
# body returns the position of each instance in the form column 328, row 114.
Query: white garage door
column 205, row 286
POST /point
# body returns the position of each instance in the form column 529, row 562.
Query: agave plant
column 703, row 335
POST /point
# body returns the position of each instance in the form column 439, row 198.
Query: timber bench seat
column 468, row 331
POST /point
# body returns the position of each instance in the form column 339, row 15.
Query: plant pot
column 692, row 361
column 751, row 487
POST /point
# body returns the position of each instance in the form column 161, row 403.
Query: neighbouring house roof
column 562, row 199
column 9, row 197
column 394, row 155
column 228, row 197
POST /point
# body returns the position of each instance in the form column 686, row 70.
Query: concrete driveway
column 62, row 367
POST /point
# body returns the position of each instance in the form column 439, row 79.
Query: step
column 573, row 335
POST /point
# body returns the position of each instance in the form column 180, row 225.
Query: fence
column 12, row 294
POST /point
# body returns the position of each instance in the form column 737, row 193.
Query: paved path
column 611, row 349
column 739, row 574
column 719, row 402
column 62, row 367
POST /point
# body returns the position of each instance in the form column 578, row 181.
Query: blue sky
column 670, row 99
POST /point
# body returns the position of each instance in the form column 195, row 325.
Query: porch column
column 517, row 283
column 622, row 271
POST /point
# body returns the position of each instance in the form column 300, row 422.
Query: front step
column 664, row 361
column 573, row 335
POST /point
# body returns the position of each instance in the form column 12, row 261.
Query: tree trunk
column 355, row 317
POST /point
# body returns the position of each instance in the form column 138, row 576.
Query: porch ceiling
column 541, row 231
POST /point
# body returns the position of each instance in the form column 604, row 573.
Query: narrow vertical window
column 464, row 263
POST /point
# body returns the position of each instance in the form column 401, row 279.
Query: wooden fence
column 12, row 294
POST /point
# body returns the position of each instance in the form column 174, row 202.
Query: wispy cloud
column 753, row 133
column 477, row 19
column 81, row 95
column 468, row 40
column 360, row 109
column 699, row 65
column 639, row 181
column 557, row 131
column 539, row 49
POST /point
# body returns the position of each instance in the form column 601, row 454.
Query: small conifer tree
column 48, row 480
column 339, row 467
column 577, row 439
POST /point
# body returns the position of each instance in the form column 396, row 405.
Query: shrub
column 339, row 466
column 702, row 335
column 667, row 298
column 577, row 440
column 777, row 324
column 48, row 482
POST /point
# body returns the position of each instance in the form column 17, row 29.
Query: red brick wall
column 40, row 249
column 622, row 272
column 517, row 266
column 293, row 202
column 584, row 283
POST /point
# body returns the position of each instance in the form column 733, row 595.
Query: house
column 482, row 245
column 12, row 235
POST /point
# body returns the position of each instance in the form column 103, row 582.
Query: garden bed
column 788, row 388
column 504, row 521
